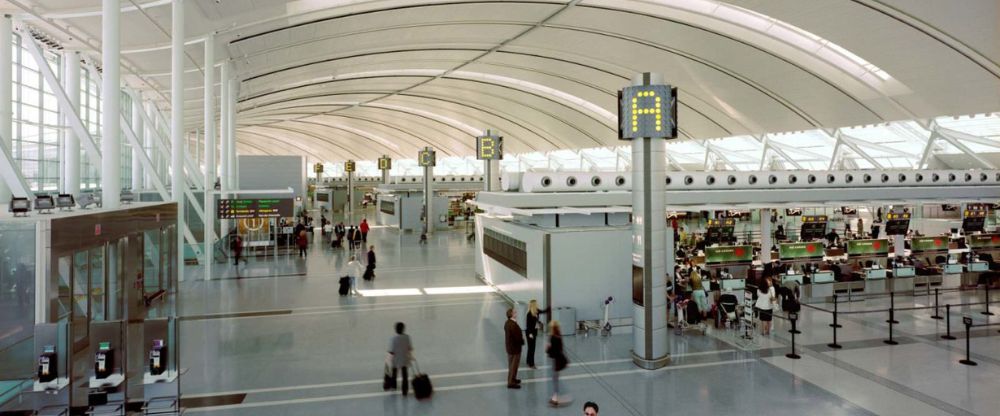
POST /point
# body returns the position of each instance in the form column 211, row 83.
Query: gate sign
column 489, row 147
column 384, row 163
column 349, row 166
column 647, row 111
column 426, row 157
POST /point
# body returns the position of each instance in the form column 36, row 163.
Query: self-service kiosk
column 104, row 361
column 48, row 367
column 157, row 358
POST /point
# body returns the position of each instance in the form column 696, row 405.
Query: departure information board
column 489, row 147
column 231, row 209
column 384, row 163
column 647, row 111
column 426, row 157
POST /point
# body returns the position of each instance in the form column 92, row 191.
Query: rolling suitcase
column 345, row 285
column 422, row 387
column 369, row 273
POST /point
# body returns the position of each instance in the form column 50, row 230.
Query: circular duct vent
column 885, row 178
column 731, row 180
column 571, row 181
column 792, row 179
column 688, row 180
column 620, row 181
column 812, row 179
column 546, row 181
column 772, row 179
column 830, row 178
column 867, row 178
column 951, row 177
column 710, row 180
column 968, row 177
column 935, row 177
column 848, row 178
column 595, row 181
column 901, row 178
column 752, row 179
column 668, row 180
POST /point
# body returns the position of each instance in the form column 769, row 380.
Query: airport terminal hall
column 499, row 207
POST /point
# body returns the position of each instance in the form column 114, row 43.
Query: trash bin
column 567, row 319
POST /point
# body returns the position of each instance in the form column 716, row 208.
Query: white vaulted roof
column 356, row 79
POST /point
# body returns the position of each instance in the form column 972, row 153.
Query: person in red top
column 364, row 230
column 303, row 243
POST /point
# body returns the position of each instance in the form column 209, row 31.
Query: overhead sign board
column 426, row 157
column 349, row 166
column 647, row 111
column 318, row 168
column 384, row 163
column 867, row 247
column 729, row 254
column 229, row 209
column 984, row 240
column 790, row 251
column 939, row 243
column 489, row 147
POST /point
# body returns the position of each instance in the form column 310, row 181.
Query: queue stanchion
column 793, row 316
column 890, row 341
column 947, row 321
column 968, row 327
column 937, row 311
column 987, row 311
column 892, row 309
column 835, row 303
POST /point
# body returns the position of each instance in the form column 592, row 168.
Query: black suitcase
column 345, row 285
column 422, row 388
column 369, row 273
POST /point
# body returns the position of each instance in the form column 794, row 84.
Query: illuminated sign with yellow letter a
column 647, row 111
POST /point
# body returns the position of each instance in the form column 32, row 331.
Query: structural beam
column 111, row 142
column 6, row 109
column 210, row 171
column 178, row 149
column 955, row 139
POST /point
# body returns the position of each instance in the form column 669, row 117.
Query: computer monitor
column 44, row 203
column 793, row 212
column 86, row 200
column 812, row 231
column 973, row 224
column 19, row 206
column 127, row 197
column 897, row 227
column 65, row 201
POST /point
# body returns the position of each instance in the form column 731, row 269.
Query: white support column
column 71, row 144
column 138, row 126
column 227, row 70
column 765, row 236
column 111, row 141
column 234, row 163
column 177, row 141
column 210, row 170
column 6, row 97
column 429, row 200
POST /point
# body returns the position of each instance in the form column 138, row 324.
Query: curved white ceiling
column 358, row 79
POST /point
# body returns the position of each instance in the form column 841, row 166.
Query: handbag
column 388, row 381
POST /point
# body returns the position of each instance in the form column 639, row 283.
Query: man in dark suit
column 514, row 339
column 370, row 268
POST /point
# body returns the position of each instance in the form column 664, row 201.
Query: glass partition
column 151, row 260
column 81, row 298
column 98, row 294
column 17, row 307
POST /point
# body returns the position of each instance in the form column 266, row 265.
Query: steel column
column 111, row 142
column 6, row 98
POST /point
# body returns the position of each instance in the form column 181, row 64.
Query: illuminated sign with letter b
column 647, row 111
column 489, row 147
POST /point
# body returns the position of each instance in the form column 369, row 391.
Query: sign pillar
column 765, row 236
column 489, row 149
column 427, row 158
column 647, row 117
column 385, row 165
column 349, row 169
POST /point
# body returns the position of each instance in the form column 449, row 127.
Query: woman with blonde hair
column 559, row 360
column 531, row 326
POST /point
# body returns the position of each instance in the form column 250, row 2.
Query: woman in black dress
column 531, row 325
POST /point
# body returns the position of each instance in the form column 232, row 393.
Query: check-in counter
column 978, row 266
column 846, row 288
column 902, row 278
column 954, row 268
column 733, row 284
column 820, row 286
column 796, row 277
column 875, row 281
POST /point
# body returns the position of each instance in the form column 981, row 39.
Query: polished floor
column 280, row 341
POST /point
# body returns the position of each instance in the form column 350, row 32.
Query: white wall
column 588, row 266
column 273, row 172
column 515, row 286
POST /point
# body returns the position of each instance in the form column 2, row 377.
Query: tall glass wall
column 17, row 305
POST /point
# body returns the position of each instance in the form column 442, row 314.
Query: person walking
column 353, row 271
column 698, row 292
column 303, row 243
column 559, row 360
column 339, row 230
column 364, row 230
column 765, row 304
column 236, row 245
column 401, row 355
column 531, row 326
column 370, row 267
column 514, row 340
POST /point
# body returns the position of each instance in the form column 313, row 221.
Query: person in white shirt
column 353, row 271
column 765, row 305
